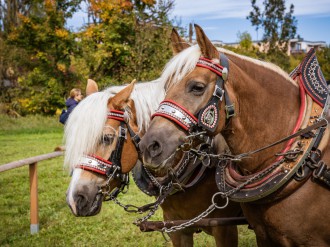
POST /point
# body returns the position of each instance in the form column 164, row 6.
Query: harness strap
column 176, row 113
column 115, row 156
column 116, row 115
column 208, row 117
column 197, row 178
column 322, row 173
column 322, row 123
column 95, row 164
column 135, row 138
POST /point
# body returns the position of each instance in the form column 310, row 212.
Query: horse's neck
column 267, row 106
column 147, row 97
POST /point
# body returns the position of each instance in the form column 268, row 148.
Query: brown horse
column 284, row 205
column 89, row 131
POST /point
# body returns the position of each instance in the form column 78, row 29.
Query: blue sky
column 224, row 19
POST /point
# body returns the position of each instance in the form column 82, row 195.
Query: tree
column 127, row 39
column 245, row 40
column 43, row 59
column 323, row 57
column 278, row 26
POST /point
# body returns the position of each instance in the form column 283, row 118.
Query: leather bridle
column 208, row 117
column 112, row 167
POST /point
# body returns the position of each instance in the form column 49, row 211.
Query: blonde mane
column 185, row 62
column 263, row 64
column 85, row 124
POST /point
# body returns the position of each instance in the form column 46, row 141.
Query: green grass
column 25, row 137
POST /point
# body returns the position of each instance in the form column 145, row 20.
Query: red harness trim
column 300, row 117
column 209, row 64
column 182, row 108
column 88, row 168
column 101, row 159
column 177, row 120
column 99, row 167
column 117, row 115
column 185, row 127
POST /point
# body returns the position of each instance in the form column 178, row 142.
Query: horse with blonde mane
column 276, row 129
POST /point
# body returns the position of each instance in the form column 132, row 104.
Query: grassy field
column 26, row 137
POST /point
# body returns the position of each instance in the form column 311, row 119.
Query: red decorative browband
column 214, row 67
column 177, row 113
column 117, row 115
column 95, row 163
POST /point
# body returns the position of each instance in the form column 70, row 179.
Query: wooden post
column 34, row 226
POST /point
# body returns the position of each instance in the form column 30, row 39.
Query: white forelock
column 84, row 127
column 180, row 66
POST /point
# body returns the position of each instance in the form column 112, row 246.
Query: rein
column 112, row 167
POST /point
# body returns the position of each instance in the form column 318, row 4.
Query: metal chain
column 152, row 178
column 209, row 210
column 184, row 164
column 149, row 215
column 221, row 157
column 125, row 207
column 163, row 191
column 205, row 213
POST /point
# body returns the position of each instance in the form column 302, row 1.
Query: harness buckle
column 230, row 111
column 218, row 92
column 122, row 132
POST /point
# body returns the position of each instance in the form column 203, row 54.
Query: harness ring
column 222, row 196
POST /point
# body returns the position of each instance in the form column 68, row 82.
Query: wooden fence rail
column 32, row 162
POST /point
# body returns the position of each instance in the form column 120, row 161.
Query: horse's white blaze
column 72, row 187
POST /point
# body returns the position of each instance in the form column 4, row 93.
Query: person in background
column 71, row 103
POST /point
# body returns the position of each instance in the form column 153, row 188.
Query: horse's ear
column 121, row 98
column 178, row 44
column 91, row 87
column 208, row 50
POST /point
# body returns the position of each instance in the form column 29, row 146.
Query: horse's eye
column 107, row 139
column 197, row 88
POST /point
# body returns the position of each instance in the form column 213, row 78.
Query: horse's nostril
column 81, row 201
column 154, row 149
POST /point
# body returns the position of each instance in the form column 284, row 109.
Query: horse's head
column 191, row 104
column 97, row 134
